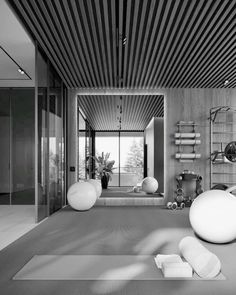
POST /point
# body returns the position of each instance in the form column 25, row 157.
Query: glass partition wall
column 50, row 195
column 17, row 149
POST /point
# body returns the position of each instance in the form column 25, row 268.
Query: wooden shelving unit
column 222, row 131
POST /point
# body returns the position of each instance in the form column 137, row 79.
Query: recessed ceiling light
column 21, row 71
column 226, row 82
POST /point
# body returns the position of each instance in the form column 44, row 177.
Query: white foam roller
column 187, row 141
column 177, row 270
column 187, row 135
column 187, row 156
column 204, row 263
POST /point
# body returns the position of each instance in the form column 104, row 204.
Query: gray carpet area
column 111, row 231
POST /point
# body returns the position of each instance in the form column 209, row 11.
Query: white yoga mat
column 94, row 267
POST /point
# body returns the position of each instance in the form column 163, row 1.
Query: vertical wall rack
column 186, row 138
column 222, row 131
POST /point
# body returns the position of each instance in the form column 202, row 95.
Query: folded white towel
column 161, row 258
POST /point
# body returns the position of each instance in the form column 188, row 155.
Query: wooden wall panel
column 191, row 104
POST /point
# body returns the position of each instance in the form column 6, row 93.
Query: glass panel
column 108, row 142
column 82, row 156
column 56, row 144
column 23, row 146
column 4, row 147
column 131, row 158
column 42, row 202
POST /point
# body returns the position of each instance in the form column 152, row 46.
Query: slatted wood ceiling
column 121, row 112
column 136, row 43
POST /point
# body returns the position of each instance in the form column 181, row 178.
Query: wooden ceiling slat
column 108, row 40
column 168, row 43
column 49, row 32
column 196, row 31
column 172, row 51
column 62, row 40
column 120, row 44
column 127, row 44
column 152, row 44
column 85, row 59
column 101, row 40
column 114, row 42
column 213, row 29
column 38, row 32
column 63, row 24
column 171, row 39
column 134, row 30
column 165, row 35
column 184, row 38
column 208, row 62
column 142, row 30
column 91, row 33
column 219, row 70
column 144, row 48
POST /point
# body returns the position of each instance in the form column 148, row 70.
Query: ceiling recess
column 130, row 112
column 136, row 43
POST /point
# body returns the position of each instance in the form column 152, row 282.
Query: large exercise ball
column 81, row 196
column 149, row 185
column 97, row 185
column 212, row 216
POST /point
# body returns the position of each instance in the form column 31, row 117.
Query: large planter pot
column 104, row 181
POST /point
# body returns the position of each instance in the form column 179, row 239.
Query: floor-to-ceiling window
column 126, row 149
column 131, row 158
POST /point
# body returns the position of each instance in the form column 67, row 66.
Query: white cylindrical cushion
column 204, row 263
column 97, row 185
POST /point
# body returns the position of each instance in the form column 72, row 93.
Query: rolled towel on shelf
column 204, row 263
column 187, row 141
column 187, row 156
column 187, row 135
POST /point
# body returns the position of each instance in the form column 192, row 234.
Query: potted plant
column 104, row 168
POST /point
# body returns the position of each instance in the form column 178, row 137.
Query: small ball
column 149, row 185
column 81, row 196
column 97, row 185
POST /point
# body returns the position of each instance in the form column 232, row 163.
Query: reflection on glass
column 23, row 147
column 4, row 146
column 56, row 144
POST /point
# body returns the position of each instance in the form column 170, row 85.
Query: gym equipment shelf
column 222, row 131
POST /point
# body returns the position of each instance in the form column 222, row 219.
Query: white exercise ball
column 212, row 216
column 81, row 196
column 97, row 185
column 149, row 185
